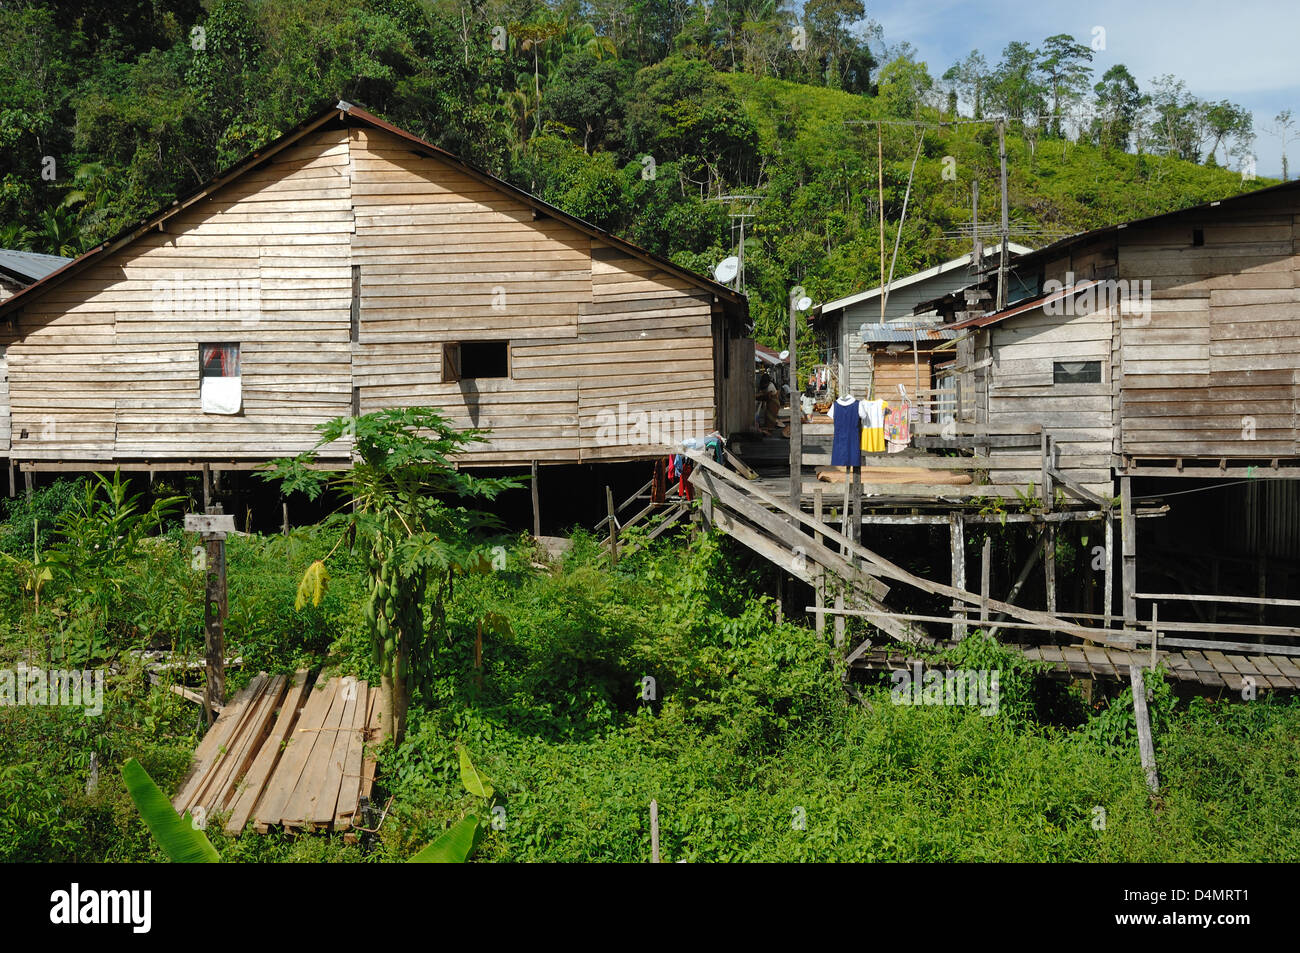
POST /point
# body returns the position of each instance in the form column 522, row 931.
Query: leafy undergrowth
column 601, row 689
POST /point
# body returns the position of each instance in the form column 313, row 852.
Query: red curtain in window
column 221, row 360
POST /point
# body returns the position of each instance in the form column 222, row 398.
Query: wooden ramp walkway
column 283, row 754
column 1212, row 670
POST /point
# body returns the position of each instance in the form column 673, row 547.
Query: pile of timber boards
column 285, row 754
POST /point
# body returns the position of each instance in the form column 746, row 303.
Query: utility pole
column 880, row 180
column 977, row 247
column 1006, row 229
column 796, row 417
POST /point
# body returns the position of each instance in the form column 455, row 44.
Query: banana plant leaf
column 475, row 783
column 175, row 834
column 454, row 846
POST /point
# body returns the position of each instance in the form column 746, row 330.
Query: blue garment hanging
column 846, row 451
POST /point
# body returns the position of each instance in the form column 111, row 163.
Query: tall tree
column 1119, row 107
column 1284, row 130
column 970, row 77
column 1063, row 61
column 1017, row 86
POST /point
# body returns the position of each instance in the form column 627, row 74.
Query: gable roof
column 348, row 115
column 1192, row 211
column 964, row 261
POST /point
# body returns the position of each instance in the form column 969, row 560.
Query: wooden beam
column 1108, row 583
column 537, row 510
column 879, row 566
column 986, row 558
column 1182, row 597
column 1049, row 566
column 1128, row 526
column 613, row 524
column 957, row 538
column 1146, row 747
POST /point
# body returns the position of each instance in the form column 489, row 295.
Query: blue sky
column 1247, row 51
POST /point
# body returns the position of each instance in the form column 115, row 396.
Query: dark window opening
column 1076, row 372
column 218, row 360
column 1198, row 236
column 466, row 360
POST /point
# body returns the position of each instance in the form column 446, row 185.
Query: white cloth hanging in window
column 221, row 395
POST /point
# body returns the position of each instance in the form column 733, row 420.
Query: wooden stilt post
column 207, row 488
column 537, row 507
column 848, row 506
column 986, row 559
column 613, row 525
column 819, row 587
column 796, row 417
column 1146, row 747
column 13, row 480
column 284, row 513
column 1128, row 528
column 27, row 483
column 1049, row 566
column 213, row 527
column 957, row 537
column 654, row 831
column 1108, row 585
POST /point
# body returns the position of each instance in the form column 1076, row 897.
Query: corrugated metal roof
column 961, row 262
column 993, row 317
column 29, row 265
column 882, row 333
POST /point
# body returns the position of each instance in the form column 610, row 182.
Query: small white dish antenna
column 726, row 269
column 803, row 304
column 784, row 355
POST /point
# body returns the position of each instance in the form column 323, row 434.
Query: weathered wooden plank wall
column 341, row 267
column 1212, row 372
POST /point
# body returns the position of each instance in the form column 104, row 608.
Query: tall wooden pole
column 1006, row 230
column 880, row 182
column 796, row 418
column 214, row 624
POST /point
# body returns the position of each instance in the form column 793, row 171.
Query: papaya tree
column 403, row 507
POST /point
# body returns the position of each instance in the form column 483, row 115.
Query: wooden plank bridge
column 833, row 563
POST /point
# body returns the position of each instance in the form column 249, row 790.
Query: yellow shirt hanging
column 873, row 426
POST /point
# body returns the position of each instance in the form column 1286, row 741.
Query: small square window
column 468, row 360
column 1198, row 237
column 1076, row 372
column 218, row 360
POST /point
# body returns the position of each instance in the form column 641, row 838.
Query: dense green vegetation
column 635, row 115
column 748, row 729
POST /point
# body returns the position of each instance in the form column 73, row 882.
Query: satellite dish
column 803, row 304
column 726, row 269
column 784, row 355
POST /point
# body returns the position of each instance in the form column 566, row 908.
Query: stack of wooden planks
column 285, row 753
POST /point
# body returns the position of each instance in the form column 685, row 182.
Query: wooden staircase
column 672, row 510
column 829, row 561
